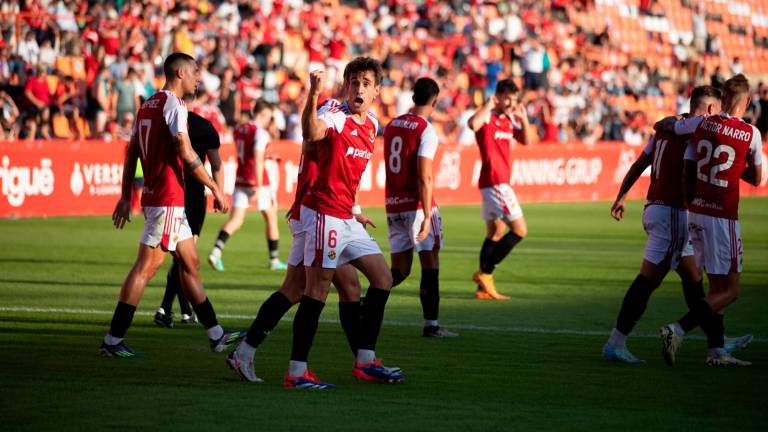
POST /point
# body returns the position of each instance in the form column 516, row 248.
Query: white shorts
column 403, row 228
column 265, row 197
column 716, row 243
column 296, row 255
column 500, row 202
column 667, row 229
column 330, row 242
column 165, row 226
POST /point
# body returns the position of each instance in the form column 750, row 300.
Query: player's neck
column 422, row 111
column 175, row 88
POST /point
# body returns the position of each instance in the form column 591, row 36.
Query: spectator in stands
column 125, row 99
column 535, row 65
column 38, row 96
column 762, row 119
column 28, row 49
column 699, row 24
column 736, row 66
column 70, row 103
column 9, row 113
column 229, row 98
column 100, row 102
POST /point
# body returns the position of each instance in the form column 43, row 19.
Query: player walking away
column 205, row 141
column 724, row 150
column 665, row 220
column 160, row 139
column 414, row 222
column 498, row 124
column 252, row 183
column 334, row 235
column 277, row 305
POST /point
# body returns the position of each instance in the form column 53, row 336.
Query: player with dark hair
column 665, row 220
column 723, row 151
column 498, row 125
column 413, row 219
column 160, row 139
column 252, row 184
column 344, row 135
column 205, row 141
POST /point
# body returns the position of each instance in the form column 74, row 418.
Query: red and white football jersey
column 250, row 139
column 406, row 138
column 494, row 139
column 160, row 118
column 306, row 178
column 666, row 151
column 342, row 157
column 722, row 146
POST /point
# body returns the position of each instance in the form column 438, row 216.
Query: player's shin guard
column 504, row 246
column 397, row 277
column 274, row 251
column 634, row 304
column 693, row 292
column 349, row 315
column 270, row 313
column 429, row 293
column 121, row 319
column 372, row 315
column 486, row 256
column 305, row 327
column 205, row 314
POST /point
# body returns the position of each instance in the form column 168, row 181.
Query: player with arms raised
column 344, row 135
column 413, row 220
column 160, row 139
column 498, row 124
column 724, row 150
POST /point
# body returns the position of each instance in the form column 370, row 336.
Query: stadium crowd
column 80, row 69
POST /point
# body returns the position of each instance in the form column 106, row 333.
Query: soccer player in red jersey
column 665, row 220
column 252, row 184
column 724, row 150
column 160, row 139
column 413, row 220
column 344, row 135
column 498, row 124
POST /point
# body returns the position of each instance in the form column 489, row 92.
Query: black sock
column 634, row 304
column 270, row 313
column 172, row 285
column 305, row 327
column 184, row 306
column 504, row 246
column 397, row 277
column 121, row 319
column 429, row 293
column 273, row 251
column 205, row 314
column 700, row 314
column 486, row 253
column 372, row 314
column 688, row 322
column 715, row 336
column 349, row 315
column 693, row 292
column 223, row 237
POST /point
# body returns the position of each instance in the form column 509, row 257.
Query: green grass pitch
column 532, row 363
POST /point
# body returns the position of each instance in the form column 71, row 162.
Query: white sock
column 161, row 311
column 617, row 339
column 216, row 252
column 296, row 368
column 111, row 340
column 215, row 332
column 677, row 329
column 245, row 351
column 431, row 323
column 365, row 356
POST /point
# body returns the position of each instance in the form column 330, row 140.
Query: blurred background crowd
column 591, row 70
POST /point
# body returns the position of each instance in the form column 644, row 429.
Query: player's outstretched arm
column 480, row 116
column 521, row 116
column 122, row 213
column 425, row 195
column 312, row 128
column 195, row 166
column 634, row 173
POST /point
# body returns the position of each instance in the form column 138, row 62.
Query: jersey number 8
column 395, row 162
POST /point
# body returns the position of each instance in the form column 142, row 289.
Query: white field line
column 471, row 327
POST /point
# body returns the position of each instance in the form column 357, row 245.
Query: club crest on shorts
column 331, row 255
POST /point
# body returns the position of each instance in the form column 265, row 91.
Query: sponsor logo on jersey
column 372, row 138
column 20, row 182
column 331, row 254
column 405, row 124
column 354, row 132
column 356, row 153
column 499, row 135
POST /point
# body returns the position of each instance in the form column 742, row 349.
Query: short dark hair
column 364, row 64
column 261, row 105
column 736, row 86
column 706, row 91
column 174, row 62
column 506, row 86
column 424, row 91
